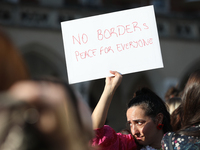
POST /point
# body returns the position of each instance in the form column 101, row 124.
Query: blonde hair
column 173, row 103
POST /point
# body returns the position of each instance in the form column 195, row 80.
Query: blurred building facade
column 34, row 26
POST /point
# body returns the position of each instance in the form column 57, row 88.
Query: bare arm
column 100, row 112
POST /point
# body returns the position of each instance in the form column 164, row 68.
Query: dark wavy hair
column 191, row 104
column 176, row 118
column 152, row 104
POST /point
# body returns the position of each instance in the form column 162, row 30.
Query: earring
column 160, row 126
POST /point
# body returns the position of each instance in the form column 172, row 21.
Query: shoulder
column 180, row 141
column 167, row 139
column 106, row 137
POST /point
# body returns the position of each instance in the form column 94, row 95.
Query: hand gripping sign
column 125, row 41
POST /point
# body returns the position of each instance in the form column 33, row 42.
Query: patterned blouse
column 180, row 141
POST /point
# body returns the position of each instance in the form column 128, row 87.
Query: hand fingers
column 115, row 73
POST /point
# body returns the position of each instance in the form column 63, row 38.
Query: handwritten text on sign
column 125, row 41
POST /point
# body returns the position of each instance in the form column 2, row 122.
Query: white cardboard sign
column 125, row 41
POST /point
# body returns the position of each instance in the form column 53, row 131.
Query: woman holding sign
column 147, row 117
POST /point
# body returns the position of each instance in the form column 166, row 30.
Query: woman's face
column 143, row 128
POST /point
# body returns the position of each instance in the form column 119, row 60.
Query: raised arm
column 100, row 112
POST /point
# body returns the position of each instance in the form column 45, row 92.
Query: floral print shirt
column 180, row 141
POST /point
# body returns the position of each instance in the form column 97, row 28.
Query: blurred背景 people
column 172, row 92
column 173, row 103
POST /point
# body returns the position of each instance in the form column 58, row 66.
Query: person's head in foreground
column 38, row 115
column 148, row 118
